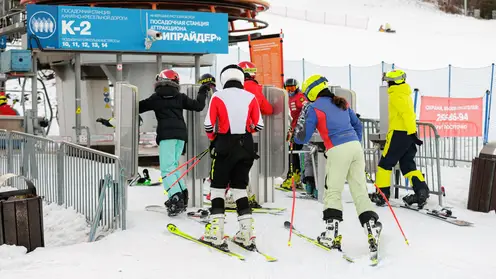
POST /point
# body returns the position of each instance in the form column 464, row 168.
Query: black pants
column 231, row 165
column 399, row 148
column 294, row 160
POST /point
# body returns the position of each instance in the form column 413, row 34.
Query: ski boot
column 331, row 237
column 378, row 199
column 245, row 237
column 420, row 198
column 177, row 204
column 297, row 180
column 315, row 193
column 252, row 199
column 214, row 232
column 373, row 230
column 145, row 180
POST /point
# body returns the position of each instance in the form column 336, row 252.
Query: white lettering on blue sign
column 191, row 36
column 83, row 28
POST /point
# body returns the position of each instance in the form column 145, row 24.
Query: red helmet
column 248, row 68
column 168, row 74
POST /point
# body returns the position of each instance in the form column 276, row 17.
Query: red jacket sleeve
column 256, row 89
column 254, row 123
column 7, row 110
column 211, row 117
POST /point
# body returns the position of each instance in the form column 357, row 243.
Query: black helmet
column 291, row 82
column 207, row 79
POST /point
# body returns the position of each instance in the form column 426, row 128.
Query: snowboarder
column 168, row 104
column 401, row 142
column 233, row 115
column 296, row 101
column 341, row 132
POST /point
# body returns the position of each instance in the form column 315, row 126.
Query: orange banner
column 453, row 117
column 266, row 54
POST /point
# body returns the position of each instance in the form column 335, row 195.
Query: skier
column 296, row 101
column 233, row 115
column 5, row 108
column 168, row 104
column 209, row 80
column 401, row 143
column 251, row 85
column 341, row 132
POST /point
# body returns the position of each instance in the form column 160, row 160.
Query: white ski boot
column 331, row 237
column 214, row 232
column 373, row 230
column 245, row 237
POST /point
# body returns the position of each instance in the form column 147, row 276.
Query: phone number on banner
column 441, row 117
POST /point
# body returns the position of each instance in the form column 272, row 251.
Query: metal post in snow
column 303, row 68
column 382, row 67
column 486, row 117
column 416, row 91
column 449, row 81
column 349, row 74
column 489, row 100
column 392, row 66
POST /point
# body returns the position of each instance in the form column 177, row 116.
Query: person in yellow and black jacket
column 401, row 142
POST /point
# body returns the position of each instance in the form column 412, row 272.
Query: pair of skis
column 176, row 231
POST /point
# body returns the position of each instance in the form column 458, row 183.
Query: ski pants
column 399, row 148
column 231, row 166
column 346, row 162
column 169, row 154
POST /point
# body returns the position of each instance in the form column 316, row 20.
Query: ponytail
column 340, row 102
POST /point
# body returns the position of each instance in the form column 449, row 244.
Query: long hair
column 336, row 100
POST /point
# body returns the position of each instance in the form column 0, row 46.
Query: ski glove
column 105, row 122
column 204, row 89
column 416, row 140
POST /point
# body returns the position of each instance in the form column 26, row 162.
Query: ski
column 439, row 215
column 267, row 257
column 287, row 225
column 254, row 209
column 302, row 195
column 174, row 230
column 374, row 255
column 195, row 216
column 289, row 190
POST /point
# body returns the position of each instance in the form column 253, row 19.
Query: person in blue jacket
column 341, row 132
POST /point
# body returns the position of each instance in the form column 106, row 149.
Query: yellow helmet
column 3, row 100
column 313, row 85
column 397, row 76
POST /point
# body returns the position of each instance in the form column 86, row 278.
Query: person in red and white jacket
column 251, row 85
column 236, row 114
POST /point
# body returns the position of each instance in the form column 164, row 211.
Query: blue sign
column 126, row 30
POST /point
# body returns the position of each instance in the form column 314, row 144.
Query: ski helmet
column 232, row 73
column 313, row 86
column 395, row 77
column 168, row 75
column 291, row 85
column 207, row 79
column 249, row 69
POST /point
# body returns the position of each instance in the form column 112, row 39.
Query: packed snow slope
column 426, row 38
column 146, row 250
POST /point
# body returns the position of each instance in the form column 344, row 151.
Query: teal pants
column 170, row 151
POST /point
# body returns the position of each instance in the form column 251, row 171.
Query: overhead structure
column 239, row 11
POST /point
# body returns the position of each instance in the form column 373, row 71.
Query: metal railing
column 87, row 180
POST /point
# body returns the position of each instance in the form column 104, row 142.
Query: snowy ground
column 437, row 249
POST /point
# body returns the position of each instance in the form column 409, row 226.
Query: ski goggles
column 291, row 88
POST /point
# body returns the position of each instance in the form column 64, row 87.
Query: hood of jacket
column 167, row 89
column 402, row 89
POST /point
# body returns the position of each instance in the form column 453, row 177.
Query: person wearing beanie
column 233, row 115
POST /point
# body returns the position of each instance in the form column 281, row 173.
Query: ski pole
column 185, row 172
column 389, row 205
column 201, row 154
column 294, row 190
column 392, row 211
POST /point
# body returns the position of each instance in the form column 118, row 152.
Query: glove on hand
column 416, row 140
column 104, row 122
column 204, row 89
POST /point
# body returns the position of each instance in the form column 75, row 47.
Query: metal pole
column 34, row 89
column 197, row 67
column 159, row 63
column 118, row 74
column 77, row 81
column 465, row 7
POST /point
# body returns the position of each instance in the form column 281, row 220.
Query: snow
column 437, row 249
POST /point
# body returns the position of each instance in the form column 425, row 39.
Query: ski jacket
column 168, row 104
column 401, row 113
column 6, row 109
column 296, row 103
column 253, row 87
column 234, row 111
column 335, row 126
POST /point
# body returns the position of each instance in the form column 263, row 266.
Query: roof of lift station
column 244, row 11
